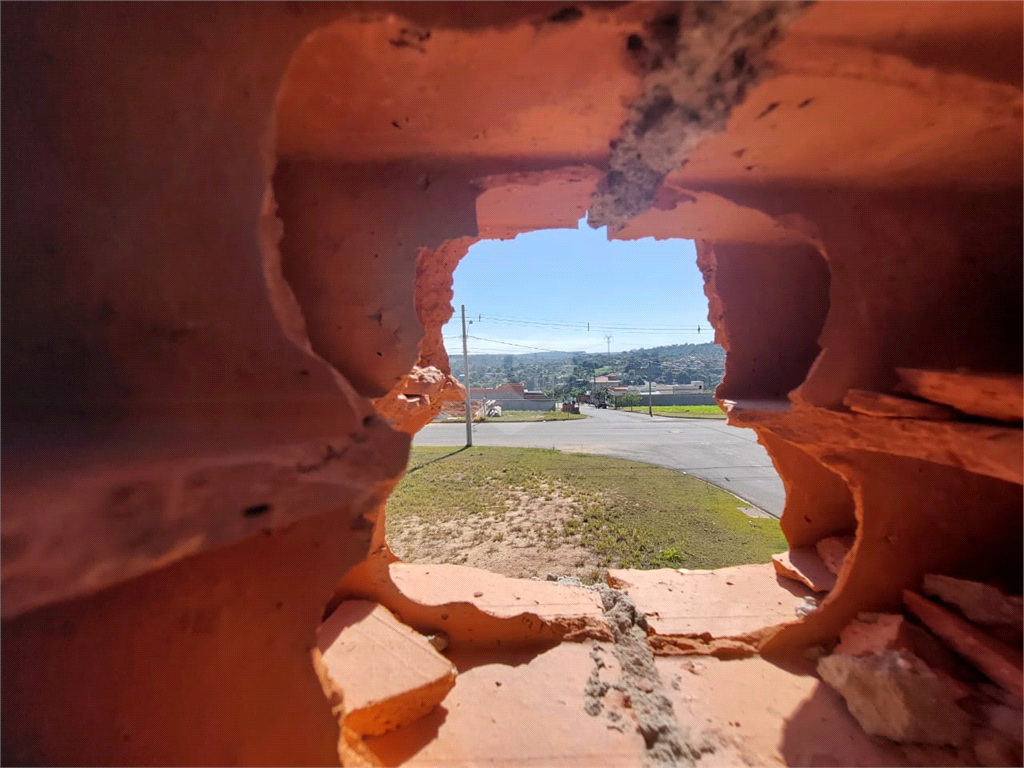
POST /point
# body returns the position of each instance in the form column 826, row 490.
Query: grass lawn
column 510, row 416
column 602, row 512
column 683, row 411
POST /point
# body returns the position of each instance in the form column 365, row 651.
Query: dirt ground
column 525, row 540
column 531, row 513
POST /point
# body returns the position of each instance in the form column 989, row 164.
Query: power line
column 624, row 329
column 547, row 323
column 533, row 321
column 654, row 331
column 648, row 327
column 539, row 349
column 593, row 326
column 513, row 344
column 653, row 328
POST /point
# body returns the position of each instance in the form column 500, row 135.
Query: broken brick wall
column 229, row 227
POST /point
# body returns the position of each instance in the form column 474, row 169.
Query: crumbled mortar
column 596, row 688
column 641, row 685
column 700, row 60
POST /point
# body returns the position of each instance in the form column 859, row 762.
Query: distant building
column 509, row 391
column 499, row 392
column 613, row 383
column 693, row 388
column 606, row 382
column 667, row 394
column 513, row 396
column 682, row 389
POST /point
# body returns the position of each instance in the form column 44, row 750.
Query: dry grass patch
column 509, row 417
column 527, row 512
column 682, row 411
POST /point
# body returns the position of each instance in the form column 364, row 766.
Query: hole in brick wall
column 339, row 207
column 607, row 306
column 560, row 321
column 522, row 512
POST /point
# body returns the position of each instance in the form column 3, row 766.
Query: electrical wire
column 513, row 344
column 618, row 329
column 652, row 328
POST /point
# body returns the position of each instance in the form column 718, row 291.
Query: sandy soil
column 525, row 540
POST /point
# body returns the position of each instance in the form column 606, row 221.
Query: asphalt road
column 729, row 457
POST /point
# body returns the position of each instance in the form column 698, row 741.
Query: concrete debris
column 896, row 695
column 876, row 632
column 567, row 581
column 698, row 68
column 593, row 692
column 900, row 682
column 666, row 744
column 438, row 639
column 807, row 606
column 833, row 551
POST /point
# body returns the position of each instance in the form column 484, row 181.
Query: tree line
column 570, row 374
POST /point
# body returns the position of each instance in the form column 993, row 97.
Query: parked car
column 602, row 404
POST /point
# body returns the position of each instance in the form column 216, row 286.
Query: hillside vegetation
column 565, row 373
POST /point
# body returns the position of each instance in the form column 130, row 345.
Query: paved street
column 728, row 457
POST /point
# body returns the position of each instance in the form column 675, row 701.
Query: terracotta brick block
column 804, row 564
column 389, row 675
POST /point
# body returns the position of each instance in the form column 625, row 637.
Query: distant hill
column 563, row 372
column 669, row 352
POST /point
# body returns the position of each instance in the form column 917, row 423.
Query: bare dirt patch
column 528, row 538
column 529, row 512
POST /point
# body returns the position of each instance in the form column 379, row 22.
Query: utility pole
column 650, row 370
column 469, row 396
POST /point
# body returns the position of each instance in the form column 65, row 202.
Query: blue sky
column 644, row 293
